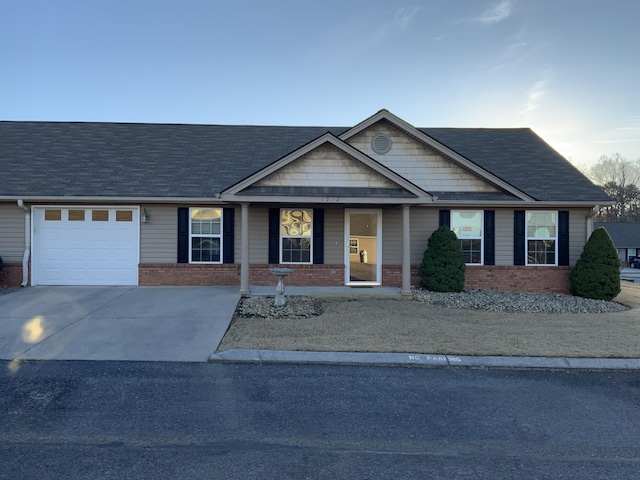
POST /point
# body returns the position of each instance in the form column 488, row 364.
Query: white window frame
column 481, row 237
column 356, row 246
column 281, row 237
column 527, row 238
column 205, row 235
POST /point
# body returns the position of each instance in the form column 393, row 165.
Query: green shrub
column 597, row 272
column 442, row 268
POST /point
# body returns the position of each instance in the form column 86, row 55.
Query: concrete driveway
column 183, row 324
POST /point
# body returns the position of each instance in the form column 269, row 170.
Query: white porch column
column 406, row 251
column 244, row 254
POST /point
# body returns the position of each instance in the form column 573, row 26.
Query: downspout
column 27, row 243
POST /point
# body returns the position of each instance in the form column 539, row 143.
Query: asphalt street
column 108, row 420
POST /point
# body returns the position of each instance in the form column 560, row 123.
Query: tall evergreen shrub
column 442, row 268
column 597, row 272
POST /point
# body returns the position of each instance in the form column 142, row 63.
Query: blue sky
column 569, row 69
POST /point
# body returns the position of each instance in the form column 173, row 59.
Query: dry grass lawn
column 394, row 325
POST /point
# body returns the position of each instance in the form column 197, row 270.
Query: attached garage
column 85, row 245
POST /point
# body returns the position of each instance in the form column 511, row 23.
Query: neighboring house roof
column 55, row 159
column 623, row 234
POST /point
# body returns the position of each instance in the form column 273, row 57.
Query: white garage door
column 85, row 246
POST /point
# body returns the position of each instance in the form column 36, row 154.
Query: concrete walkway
column 180, row 324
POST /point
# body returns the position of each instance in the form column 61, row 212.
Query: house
column 159, row 204
column 626, row 238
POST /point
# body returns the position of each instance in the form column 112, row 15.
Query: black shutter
column 228, row 235
column 318, row 236
column 489, row 237
column 183, row 235
column 518, row 237
column 563, row 237
column 445, row 218
column 274, row 237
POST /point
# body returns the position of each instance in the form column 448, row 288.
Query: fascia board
column 433, row 143
column 534, row 204
column 103, row 200
column 255, row 199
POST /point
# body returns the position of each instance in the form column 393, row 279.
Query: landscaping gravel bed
column 487, row 300
column 297, row 307
column 515, row 302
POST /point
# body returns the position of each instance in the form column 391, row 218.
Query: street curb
column 420, row 360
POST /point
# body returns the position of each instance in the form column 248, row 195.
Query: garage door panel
column 73, row 251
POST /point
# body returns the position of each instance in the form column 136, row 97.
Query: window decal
column 296, row 227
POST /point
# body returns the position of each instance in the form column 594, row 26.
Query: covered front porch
column 354, row 248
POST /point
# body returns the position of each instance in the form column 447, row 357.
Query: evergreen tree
column 597, row 272
column 442, row 268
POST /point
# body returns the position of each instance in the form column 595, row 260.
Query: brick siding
column 183, row 274
column 510, row 278
column 303, row 275
column 518, row 278
column 11, row 275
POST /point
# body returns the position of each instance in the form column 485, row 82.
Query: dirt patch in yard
column 365, row 324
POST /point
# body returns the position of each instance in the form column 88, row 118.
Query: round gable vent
column 381, row 144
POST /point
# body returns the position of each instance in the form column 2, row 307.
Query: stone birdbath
column 280, row 272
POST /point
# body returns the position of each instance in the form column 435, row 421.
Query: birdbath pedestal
column 280, row 272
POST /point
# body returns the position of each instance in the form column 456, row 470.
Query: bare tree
column 620, row 178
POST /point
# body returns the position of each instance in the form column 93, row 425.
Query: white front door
column 363, row 242
column 85, row 245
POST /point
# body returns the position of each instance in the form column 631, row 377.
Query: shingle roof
column 138, row 160
column 522, row 159
column 199, row 161
column 623, row 234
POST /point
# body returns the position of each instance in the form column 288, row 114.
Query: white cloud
column 400, row 21
column 405, row 15
column 536, row 93
column 496, row 13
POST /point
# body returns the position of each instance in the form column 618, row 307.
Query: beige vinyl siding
column 334, row 242
column 258, row 235
column 577, row 233
column 11, row 233
column 504, row 236
column 424, row 221
column 326, row 166
column 159, row 236
column 392, row 236
column 420, row 164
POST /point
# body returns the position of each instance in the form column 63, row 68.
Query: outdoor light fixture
column 144, row 217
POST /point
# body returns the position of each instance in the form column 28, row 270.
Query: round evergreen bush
column 442, row 268
column 597, row 272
